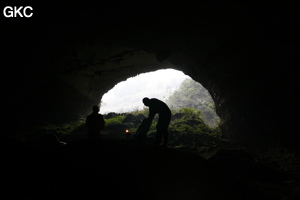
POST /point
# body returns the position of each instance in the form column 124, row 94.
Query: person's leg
column 158, row 137
column 165, row 125
column 159, row 132
column 165, row 136
column 162, row 131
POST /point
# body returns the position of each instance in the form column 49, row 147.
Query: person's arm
column 151, row 114
column 150, row 117
column 102, row 122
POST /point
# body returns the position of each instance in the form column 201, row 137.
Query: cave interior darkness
column 243, row 54
column 57, row 64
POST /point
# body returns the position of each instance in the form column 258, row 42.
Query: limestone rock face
column 241, row 55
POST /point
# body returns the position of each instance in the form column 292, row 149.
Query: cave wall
column 244, row 54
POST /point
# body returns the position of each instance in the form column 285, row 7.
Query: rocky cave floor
column 109, row 168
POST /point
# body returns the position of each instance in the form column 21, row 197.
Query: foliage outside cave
column 186, row 129
column 192, row 94
column 193, row 123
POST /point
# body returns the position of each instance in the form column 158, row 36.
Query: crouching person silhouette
column 95, row 123
column 157, row 106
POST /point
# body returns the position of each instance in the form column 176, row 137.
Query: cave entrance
column 172, row 86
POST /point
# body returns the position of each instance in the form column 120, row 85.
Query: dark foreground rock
column 120, row 169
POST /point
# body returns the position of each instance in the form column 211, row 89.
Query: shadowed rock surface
column 120, row 168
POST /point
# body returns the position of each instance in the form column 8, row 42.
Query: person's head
column 95, row 109
column 146, row 101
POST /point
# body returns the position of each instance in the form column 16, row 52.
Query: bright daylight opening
column 173, row 87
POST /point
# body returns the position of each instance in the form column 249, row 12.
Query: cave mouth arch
column 172, row 86
column 87, row 70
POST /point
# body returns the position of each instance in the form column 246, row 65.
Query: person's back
column 158, row 106
column 95, row 123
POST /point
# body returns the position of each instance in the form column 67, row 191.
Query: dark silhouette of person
column 95, row 123
column 164, row 112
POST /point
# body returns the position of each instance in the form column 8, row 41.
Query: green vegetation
column 189, row 113
column 189, row 130
column 60, row 130
column 192, row 94
column 282, row 158
column 114, row 120
column 186, row 129
column 140, row 112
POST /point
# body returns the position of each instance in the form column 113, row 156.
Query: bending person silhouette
column 157, row 106
column 95, row 123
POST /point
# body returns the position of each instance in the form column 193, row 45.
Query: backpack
column 141, row 132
